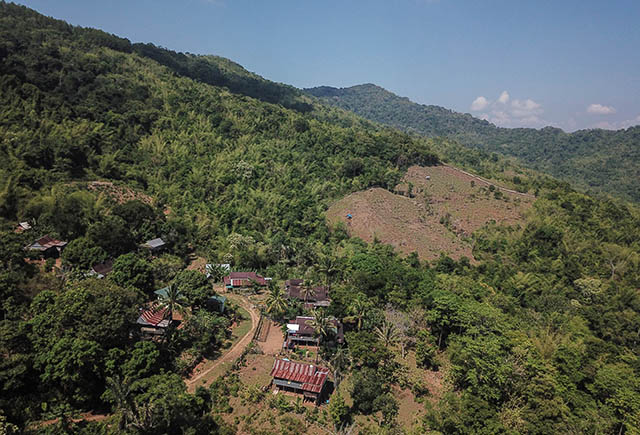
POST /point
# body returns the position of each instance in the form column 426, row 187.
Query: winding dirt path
column 236, row 350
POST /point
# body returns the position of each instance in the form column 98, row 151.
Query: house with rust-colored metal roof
column 317, row 297
column 100, row 270
column 154, row 320
column 306, row 379
column 47, row 246
column 244, row 279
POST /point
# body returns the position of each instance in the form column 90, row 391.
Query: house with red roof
column 155, row 320
column 306, row 379
column 244, row 280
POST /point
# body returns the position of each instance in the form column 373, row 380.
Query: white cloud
column 479, row 104
column 520, row 113
column 617, row 125
column 600, row 109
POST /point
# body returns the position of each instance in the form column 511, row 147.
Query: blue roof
column 163, row 292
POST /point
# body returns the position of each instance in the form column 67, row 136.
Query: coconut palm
column 358, row 310
column 120, row 391
column 307, row 290
column 173, row 301
column 338, row 365
column 322, row 325
column 276, row 301
column 328, row 267
column 387, row 333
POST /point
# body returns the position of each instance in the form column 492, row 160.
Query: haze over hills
column 107, row 146
column 603, row 160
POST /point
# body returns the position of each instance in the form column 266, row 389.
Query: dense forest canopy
column 106, row 144
column 602, row 160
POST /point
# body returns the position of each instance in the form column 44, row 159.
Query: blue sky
column 568, row 63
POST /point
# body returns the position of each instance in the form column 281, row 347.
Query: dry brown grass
column 439, row 216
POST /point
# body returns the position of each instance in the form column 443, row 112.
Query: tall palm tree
column 307, row 290
column 328, row 267
column 120, row 390
column 321, row 323
column 387, row 333
column 276, row 301
column 338, row 364
column 358, row 310
column 173, row 301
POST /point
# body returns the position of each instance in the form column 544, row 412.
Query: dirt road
column 203, row 378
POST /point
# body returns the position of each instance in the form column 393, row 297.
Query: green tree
column 71, row 367
column 82, row 253
column 367, row 386
column 339, row 411
column 358, row 310
column 194, row 287
column 76, row 311
column 276, row 301
column 387, row 333
column 321, row 324
column 425, row 351
column 129, row 270
column 307, row 290
column 112, row 234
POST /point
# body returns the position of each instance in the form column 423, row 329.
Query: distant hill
column 603, row 160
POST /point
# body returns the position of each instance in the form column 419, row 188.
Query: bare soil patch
column 273, row 343
column 120, row 194
column 433, row 210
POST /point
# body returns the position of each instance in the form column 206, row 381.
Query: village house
column 154, row 321
column 154, row 245
column 318, row 296
column 299, row 332
column 237, row 280
column 306, row 379
column 47, row 246
column 101, row 270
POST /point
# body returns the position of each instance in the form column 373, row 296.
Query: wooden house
column 306, row 379
column 47, row 246
column 244, row 280
column 299, row 332
column 318, row 296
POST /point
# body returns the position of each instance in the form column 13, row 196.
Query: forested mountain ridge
column 602, row 160
column 539, row 335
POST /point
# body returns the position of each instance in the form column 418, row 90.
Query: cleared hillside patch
column 434, row 209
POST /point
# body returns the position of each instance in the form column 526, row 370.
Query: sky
column 572, row 64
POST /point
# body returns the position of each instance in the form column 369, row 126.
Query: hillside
column 107, row 146
column 437, row 215
column 601, row 160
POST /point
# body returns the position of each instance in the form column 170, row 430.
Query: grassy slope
column 608, row 161
column 440, row 215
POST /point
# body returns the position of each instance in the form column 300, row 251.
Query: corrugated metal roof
column 243, row 279
column 46, row 242
column 311, row 377
column 153, row 317
column 154, row 243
